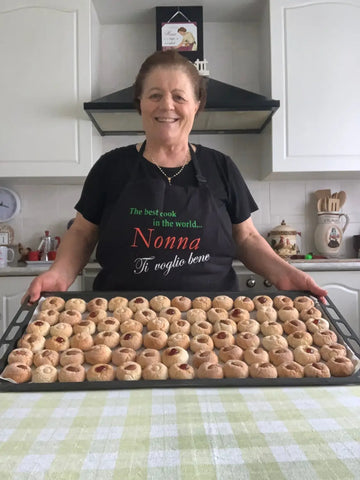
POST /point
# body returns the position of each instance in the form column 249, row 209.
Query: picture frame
column 180, row 28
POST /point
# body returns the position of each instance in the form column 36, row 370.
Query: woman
column 188, row 41
column 167, row 215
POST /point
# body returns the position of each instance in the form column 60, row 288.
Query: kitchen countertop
column 306, row 265
column 207, row 434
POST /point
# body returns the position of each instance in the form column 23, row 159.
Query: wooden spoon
column 342, row 198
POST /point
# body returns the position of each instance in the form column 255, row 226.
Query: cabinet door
column 344, row 290
column 12, row 290
column 45, row 78
column 315, row 74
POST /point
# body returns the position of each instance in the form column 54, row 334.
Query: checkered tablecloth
column 228, row 433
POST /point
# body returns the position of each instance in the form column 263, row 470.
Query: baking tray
column 17, row 327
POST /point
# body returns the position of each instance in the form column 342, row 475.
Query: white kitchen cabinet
column 12, row 289
column 315, row 71
column 45, row 77
column 344, row 290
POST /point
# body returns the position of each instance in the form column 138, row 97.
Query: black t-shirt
column 105, row 180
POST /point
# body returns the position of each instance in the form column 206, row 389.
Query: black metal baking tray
column 19, row 323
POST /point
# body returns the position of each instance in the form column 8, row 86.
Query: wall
column 51, row 206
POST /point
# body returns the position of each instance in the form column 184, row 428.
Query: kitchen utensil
column 283, row 239
column 329, row 232
column 333, row 204
column 47, row 245
column 323, row 193
column 342, row 197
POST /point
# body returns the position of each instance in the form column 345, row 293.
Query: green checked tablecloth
column 229, row 433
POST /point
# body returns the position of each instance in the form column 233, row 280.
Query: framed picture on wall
column 180, row 28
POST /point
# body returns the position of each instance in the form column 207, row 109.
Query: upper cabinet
column 45, row 77
column 315, row 73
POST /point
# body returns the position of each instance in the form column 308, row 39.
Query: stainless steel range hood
column 228, row 109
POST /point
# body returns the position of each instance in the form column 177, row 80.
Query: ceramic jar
column 329, row 232
column 284, row 240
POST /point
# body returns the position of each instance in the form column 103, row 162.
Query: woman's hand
column 49, row 281
column 255, row 252
column 298, row 280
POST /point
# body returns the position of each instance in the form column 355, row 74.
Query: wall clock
column 9, row 204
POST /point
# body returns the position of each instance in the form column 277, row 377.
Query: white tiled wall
column 52, row 206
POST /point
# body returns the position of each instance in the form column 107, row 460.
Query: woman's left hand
column 299, row 280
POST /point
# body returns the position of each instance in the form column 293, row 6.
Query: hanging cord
column 179, row 12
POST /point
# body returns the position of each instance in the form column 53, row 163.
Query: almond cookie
column 98, row 354
column 262, row 301
column 239, row 314
column 147, row 357
column 138, row 303
column 21, row 355
column 70, row 316
column 44, row 374
column 97, row 315
column 102, row 372
column 202, row 302
column 53, row 303
column 33, row 342
column 298, row 338
column 124, row 354
column 75, row 304
column 39, row 327
column 235, row 369
column 263, row 370
column 73, row 356
column 46, row 357
column 63, row 329
column 117, row 302
column 245, row 303
column 195, row 314
column 109, row 324
column 171, row 314
column 202, row 356
column 266, row 314
column 97, row 303
column 223, row 301
column 57, row 343
column 281, row 301
column 181, row 371
column 110, row 339
column 210, row 370
column 82, row 340
column 19, row 372
column 227, row 325
column 159, row 302
column 182, row 303
column 128, row 371
column 302, row 302
column 143, row 316
column 215, row 314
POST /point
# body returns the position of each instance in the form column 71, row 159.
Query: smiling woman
column 175, row 214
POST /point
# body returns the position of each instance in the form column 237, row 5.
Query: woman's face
column 168, row 105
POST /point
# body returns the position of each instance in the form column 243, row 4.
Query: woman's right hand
column 49, row 281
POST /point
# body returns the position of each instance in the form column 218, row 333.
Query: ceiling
column 143, row 11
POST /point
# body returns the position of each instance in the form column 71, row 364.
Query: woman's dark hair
column 170, row 58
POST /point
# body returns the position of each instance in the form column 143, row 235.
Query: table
column 184, row 433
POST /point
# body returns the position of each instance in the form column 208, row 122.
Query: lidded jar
column 284, row 240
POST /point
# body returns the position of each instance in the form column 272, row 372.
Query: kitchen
column 51, row 185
